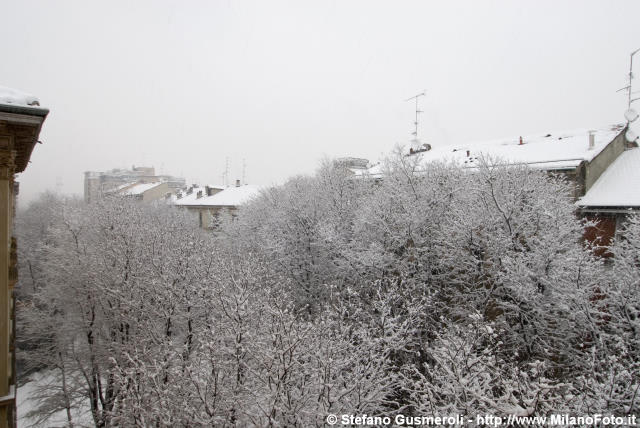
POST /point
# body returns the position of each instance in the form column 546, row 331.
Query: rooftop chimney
column 468, row 153
column 520, row 143
column 199, row 194
column 592, row 140
column 237, row 183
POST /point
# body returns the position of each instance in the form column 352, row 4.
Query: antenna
column 415, row 139
column 631, row 75
column 630, row 114
column 628, row 88
column 244, row 170
column 226, row 172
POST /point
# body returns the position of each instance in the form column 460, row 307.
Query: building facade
column 21, row 119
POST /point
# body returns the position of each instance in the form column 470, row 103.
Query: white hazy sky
column 183, row 85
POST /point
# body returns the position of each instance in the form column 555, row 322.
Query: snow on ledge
column 16, row 97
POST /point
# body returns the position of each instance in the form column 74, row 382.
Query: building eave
column 26, row 124
column 205, row 206
column 24, row 110
column 610, row 209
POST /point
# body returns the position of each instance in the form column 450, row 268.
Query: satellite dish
column 630, row 115
column 631, row 136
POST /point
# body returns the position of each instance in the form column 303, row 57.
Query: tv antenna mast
column 631, row 115
column 59, row 184
column 628, row 87
column 225, row 174
column 415, row 139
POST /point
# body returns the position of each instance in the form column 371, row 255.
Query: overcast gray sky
column 184, row 85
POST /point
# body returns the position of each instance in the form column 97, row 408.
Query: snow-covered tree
column 435, row 290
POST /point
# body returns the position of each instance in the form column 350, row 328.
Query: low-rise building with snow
column 614, row 195
column 207, row 202
column 602, row 164
column 581, row 155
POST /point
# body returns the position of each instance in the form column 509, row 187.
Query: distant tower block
column 99, row 183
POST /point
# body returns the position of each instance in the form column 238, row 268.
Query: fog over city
column 278, row 86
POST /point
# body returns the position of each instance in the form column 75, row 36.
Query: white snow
column 545, row 151
column 374, row 171
column 117, row 189
column 233, row 196
column 229, row 197
column 17, row 97
column 139, row 189
column 189, row 199
column 618, row 185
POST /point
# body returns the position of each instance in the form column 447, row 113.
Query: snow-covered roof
column 17, row 97
column 139, row 189
column 546, row 151
column 190, row 198
column 229, row 197
column 619, row 184
column 117, row 189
